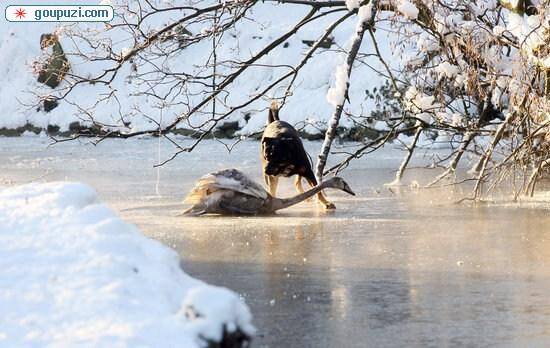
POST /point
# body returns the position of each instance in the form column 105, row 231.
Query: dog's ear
column 273, row 112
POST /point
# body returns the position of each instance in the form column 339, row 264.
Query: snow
column 447, row 69
column 459, row 80
column 427, row 44
column 204, row 303
column 337, row 94
column 270, row 20
column 381, row 126
column 516, row 25
column 418, row 101
column 352, row 4
column 457, row 120
column 498, row 30
column 408, row 9
column 531, row 31
column 74, row 274
column 364, row 14
column 513, row 3
column 425, row 102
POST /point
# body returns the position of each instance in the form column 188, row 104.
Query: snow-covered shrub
column 470, row 66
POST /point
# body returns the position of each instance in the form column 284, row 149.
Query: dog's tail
column 273, row 112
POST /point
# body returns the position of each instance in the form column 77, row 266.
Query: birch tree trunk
column 365, row 21
column 489, row 152
column 410, row 150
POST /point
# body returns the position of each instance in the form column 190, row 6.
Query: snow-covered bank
column 73, row 273
column 308, row 108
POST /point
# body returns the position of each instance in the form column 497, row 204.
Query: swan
column 231, row 192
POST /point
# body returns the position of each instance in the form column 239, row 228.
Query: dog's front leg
column 320, row 196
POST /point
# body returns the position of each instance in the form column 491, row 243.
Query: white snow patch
column 447, row 69
column 498, row 30
column 516, row 25
column 364, row 14
column 459, row 80
column 418, row 101
column 408, row 9
column 208, row 303
column 352, row 4
column 381, row 126
column 337, row 94
column 427, row 44
column 514, row 3
column 74, row 274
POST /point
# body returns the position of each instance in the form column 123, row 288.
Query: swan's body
column 230, row 192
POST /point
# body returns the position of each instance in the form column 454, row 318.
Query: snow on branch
column 337, row 95
column 408, row 9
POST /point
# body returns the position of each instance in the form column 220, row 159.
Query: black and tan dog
column 283, row 154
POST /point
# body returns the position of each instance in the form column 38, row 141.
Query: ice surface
column 381, row 270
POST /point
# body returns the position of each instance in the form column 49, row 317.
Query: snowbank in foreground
column 73, row 273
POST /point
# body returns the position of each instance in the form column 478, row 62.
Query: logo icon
column 20, row 13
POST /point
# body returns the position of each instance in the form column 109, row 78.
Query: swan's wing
column 226, row 202
column 233, row 179
column 228, row 179
column 239, row 203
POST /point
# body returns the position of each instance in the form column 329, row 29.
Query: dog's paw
column 330, row 206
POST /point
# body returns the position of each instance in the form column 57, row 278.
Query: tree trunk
column 365, row 21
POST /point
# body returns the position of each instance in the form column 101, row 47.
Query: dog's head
column 278, row 155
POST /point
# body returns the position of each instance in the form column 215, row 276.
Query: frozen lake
column 386, row 268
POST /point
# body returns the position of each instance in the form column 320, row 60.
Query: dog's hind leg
column 300, row 187
column 298, row 184
column 272, row 182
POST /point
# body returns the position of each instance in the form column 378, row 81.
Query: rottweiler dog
column 283, row 154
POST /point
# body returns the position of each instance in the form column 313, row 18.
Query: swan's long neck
column 281, row 203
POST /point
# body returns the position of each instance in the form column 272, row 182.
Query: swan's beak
column 348, row 189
